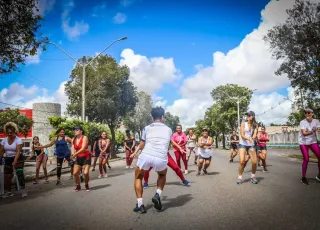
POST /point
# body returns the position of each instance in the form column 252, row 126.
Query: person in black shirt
column 234, row 141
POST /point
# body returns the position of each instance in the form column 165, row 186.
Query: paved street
column 213, row 201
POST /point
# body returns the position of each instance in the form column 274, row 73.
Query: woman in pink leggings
column 308, row 140
column 181, row 139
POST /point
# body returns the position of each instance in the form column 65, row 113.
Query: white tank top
column 191, row 143
column 247, row 133
column 205, row 152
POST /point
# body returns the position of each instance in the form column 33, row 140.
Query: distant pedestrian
column 205, row 152
column 129, row 145
column 191, row 146
column 181, row 139
column 104, row 147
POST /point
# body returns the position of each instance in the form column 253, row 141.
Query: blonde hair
column 12, row 126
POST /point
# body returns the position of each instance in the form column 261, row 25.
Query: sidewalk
column 30, row 167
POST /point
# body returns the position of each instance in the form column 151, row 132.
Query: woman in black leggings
column 62, row 151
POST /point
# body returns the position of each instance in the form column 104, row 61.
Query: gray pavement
column 213, row 201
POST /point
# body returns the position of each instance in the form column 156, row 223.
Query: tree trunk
column 223, row 141
column 217, row 144
column 113, row 141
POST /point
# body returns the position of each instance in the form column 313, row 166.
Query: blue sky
column 190, row 33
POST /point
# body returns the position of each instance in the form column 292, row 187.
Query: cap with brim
column 250, row 113
column 308, row 110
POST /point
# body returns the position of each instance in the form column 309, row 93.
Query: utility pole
column 84, row 61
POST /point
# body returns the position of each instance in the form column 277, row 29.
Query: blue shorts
column 246, row 147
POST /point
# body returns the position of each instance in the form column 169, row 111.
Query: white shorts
column 145, row 162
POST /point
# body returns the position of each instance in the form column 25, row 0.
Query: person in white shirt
column 308, row 140
column 11, row 146
column 154, row 144
column 191, row 145
column 205, row 151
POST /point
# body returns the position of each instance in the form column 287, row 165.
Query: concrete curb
column 65, row 170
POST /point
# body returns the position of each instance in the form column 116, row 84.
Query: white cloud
column 127, row 3
column 250, row 64
column 33, row 59
column 273, row 107
column 45, row 6
column 99, row 10
column 119, row 18
column 149, row 74
column 78, row 28
column 19, row 95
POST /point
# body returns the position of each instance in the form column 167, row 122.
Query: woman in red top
column 181, row 139
column 81, row 152
column 263, row 138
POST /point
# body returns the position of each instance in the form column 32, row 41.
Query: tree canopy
column 110, row 96
column 20, row 38
column 296, row 44
column 171, row 121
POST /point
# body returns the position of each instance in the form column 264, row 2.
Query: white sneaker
column 127, row 167
column 24, row 193
column 186, row 172
column 131, row 167
column 100, row 176
column 7, row 194
column 105, row 175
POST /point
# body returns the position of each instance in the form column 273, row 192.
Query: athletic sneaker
column 7, row 194
column 127, row 167
column 105, row 175
column 186, row 183
column 304, row 181
column 24, row 193
column 78, row 188
column 239, row 181
column 145, row 185
column 186, row 172
column 87, row 188
column 140, row 209
column 254, row 180
column 318, row 178
column 265, row 170
column 131, row 167
column 58, row 183
column 157, row 202
column 100, row 176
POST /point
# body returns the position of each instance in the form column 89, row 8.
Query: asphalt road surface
column 213, row 201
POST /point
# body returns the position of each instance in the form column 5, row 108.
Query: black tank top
column 129, row 143
column 37, row 151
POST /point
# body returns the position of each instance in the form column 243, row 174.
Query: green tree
column 24, row 123
column 20, row 38
column 296, row 44
column 110, row 96
column 171, row 121
column 226, row 96
column 141, row 115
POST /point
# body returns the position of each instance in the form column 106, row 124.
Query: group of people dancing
column 154, row 153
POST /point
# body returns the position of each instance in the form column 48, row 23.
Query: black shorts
column 8, row 167
column 97, row 153
column 205, row 158
column 234, row 147
column 260, row 148
column 82, row 161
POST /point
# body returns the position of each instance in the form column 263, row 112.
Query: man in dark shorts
column 234, row 141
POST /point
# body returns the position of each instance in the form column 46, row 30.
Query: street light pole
column 84, row 64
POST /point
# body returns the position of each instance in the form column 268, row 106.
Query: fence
column 286, row 139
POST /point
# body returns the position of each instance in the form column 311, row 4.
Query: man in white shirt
column 154, row 144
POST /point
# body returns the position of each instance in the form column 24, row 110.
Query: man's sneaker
column 157, row 202
column 78, row 188
column 58, row 183
column 24, row 193
column 186, row 183
column 254, row 180
column 87, row 188
column 318, row 178
column 304, row 181
column 265, row 170
column 140, row 209
column 145, row 185
column 239, row 181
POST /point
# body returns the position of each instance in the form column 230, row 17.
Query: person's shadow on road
column 100, row 187
column 173, row 202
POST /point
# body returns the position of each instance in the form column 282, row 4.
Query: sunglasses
column 307, row 112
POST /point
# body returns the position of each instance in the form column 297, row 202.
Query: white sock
column 253, row 175
column 139, row 202
column 159, row 192
column 240, row 177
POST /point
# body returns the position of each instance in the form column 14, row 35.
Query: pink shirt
column 263, row 139
column 180, row 139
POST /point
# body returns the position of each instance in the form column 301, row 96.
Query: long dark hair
column 33, row 141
